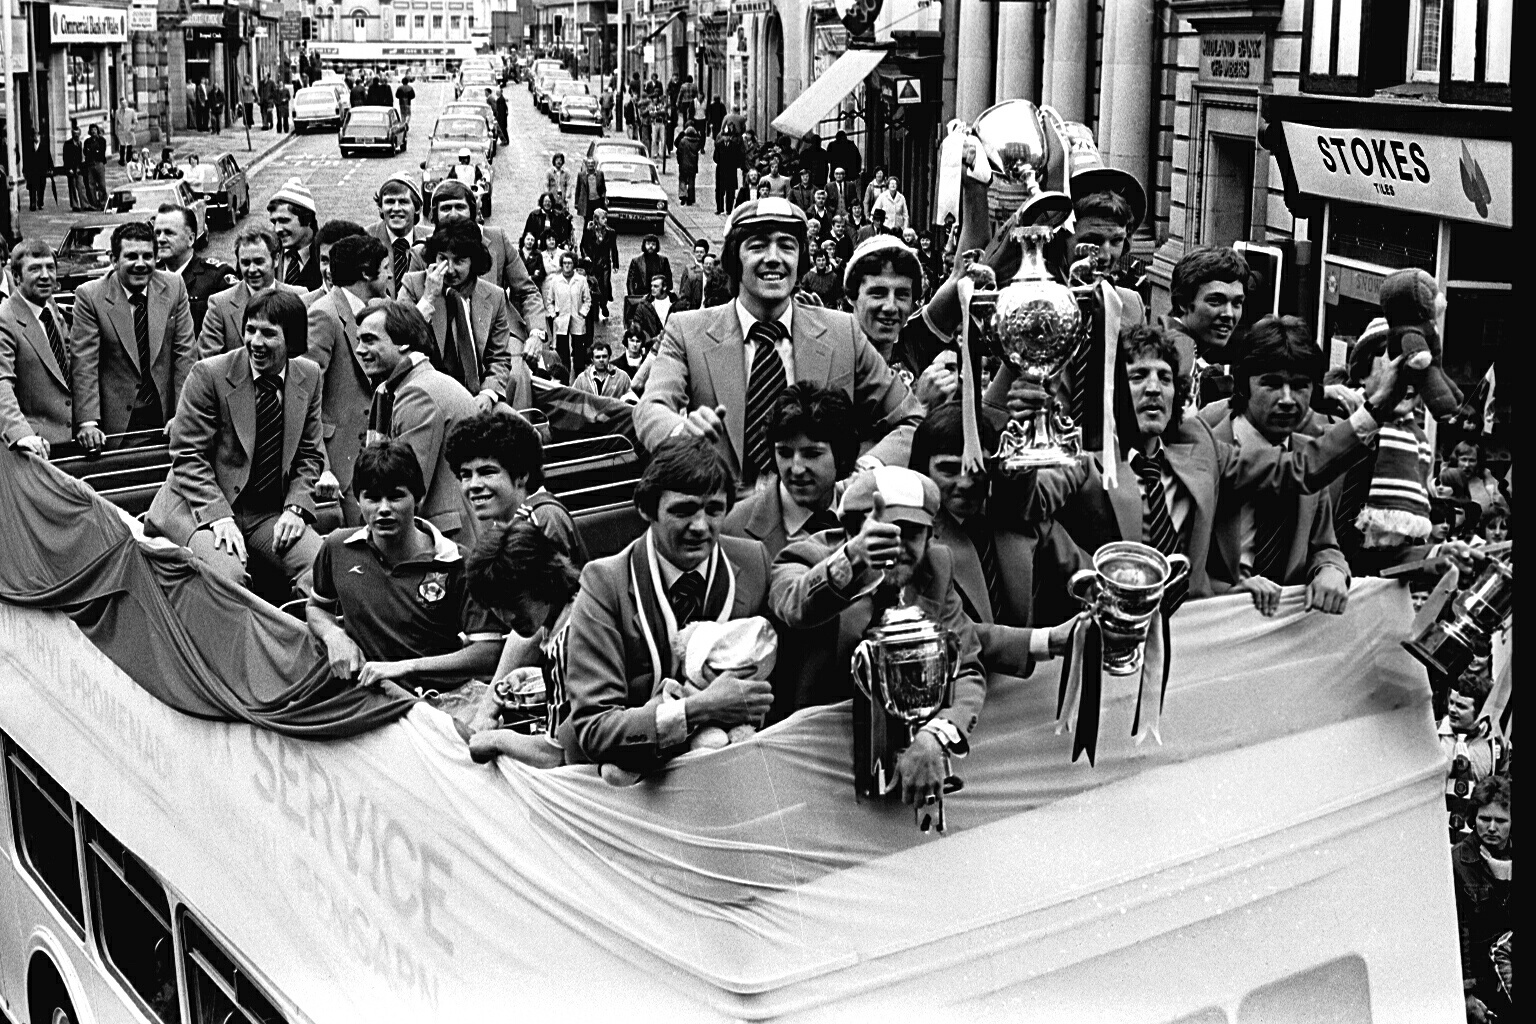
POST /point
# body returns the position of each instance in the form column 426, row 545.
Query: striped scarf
column 1396, row 508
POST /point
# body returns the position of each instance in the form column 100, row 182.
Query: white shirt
column 1177, row 499
column 785, row 347
column 37, row 313
column 663, row 307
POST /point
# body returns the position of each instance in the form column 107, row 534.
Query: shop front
column 203, row 39
column 86, row 55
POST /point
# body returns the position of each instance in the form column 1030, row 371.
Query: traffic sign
column 909, row 90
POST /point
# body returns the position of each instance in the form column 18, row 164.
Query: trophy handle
column 1084, row 586
column 1178, row 568
column 859, row 668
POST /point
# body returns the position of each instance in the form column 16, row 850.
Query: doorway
column 1228, row 189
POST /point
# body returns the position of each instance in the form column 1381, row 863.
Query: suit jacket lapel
column 1125, row 498
column 343, row 310
column 295, row 405
column 234, row 330
column 726, row 359
column 159, row 313
column 121, row 314
column 242, row 402
column 969, row 579
column 767, row 517
column 813, row 356
column 484, row 302
column 33, row 331
column 1194, row 478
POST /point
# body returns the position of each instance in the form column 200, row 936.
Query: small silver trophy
column 1122, row 592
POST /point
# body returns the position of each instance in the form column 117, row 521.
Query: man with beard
column 359, row 274
column 248, row 446
column 637, row 282
column 175, row 229
column 399, row 225
column 468, row 316
column 1208, row 289
column 34, row 362
column 256, row 255
column 131, row 346
column 720, row 370
column 829, row 588
column 1262, row 544
column 453, row 201
column 293, row 214
column 631, row 605
column 815, row 442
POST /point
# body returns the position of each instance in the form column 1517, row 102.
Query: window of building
column 471, row 21
column 437, row 21
column 83, row 78
column 1424, row 40
column 456, row 23
column 420, row 21
column 399, row 21
column 132, row 918
column 43, row 822
column 360, row 21
column 1362, row 47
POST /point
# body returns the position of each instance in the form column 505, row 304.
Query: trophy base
column 1032, row 458
column 1443, row 649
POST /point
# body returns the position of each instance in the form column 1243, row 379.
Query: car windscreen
column 628, row 172
column 460, row 128
column 315, row 96
column 126, row 200
column 89, row 238
column 565, row 86
column 371, row 118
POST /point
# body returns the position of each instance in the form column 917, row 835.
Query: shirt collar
column 37, row 311
column 670, row 572
column 443, row 549
column 1157, row 453
column 282, row 374
column 746, row 319
column 795, row 516
column 1247, row 435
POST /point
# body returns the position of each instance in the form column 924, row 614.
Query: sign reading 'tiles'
column 1462, row 179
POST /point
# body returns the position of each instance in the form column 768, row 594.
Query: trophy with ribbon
column 905, row 666
column 1448, row 645
column 1126, row 634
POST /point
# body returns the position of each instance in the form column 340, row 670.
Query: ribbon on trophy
column 1079, row 696
column 1106, row 342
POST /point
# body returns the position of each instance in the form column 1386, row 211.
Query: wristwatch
column 300, row 512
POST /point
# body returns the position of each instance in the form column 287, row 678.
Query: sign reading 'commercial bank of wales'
column 88, row 24
column 1462, row 179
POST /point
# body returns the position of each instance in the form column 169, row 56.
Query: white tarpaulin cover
column 827, row 91
column 1291, row 818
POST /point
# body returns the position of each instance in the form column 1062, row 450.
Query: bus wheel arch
column 48, row 998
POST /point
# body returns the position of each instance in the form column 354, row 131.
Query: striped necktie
column 687, row 597
column 402, row 257
column 763, row 391
column 980, row 533
column 1156, row 523
column 149, row 394
column 265, row 490
column 292, row 272
column 1271, row 522
column 56, row 340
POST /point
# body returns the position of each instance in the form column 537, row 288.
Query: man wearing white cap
column 719, row 370
column 399, row 225
column 833, row 585
column 295, row 221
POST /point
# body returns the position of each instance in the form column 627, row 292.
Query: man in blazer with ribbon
column 631, row 606
column 460, row 304
column 246, row 449
column 35, row 399
column 131, row 346
column 719, row 370
column 358, row 275
column 256, row 253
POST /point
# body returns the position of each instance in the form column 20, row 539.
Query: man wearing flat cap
column 834, row 584
column 720, row 370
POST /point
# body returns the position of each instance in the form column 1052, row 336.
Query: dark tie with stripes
column 291, row 269
column 265, row 491
column 980, row 533
column 56, row 340
column 687, row 598
column 453, row 365
column 1156, row 523
column 1271, row 522
column 402, row 254
column 763, row 391
column 147, row 407
column 826, row 519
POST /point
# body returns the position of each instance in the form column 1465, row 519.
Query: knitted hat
column 1371, row 344
column 399, row 178
column 295, row 193
column 874, row 244
column 1397, row 506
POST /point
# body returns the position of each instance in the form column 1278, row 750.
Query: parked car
column 464, row 130
column 222, row 184
column 463, row 107
column 542, row 87
column 372, row 128
column 442, row 157
column 560, row 89
column 600, row 149
column 581, row 111
column 320, row 106
column 143, row 198
column 472, row 80
column 635, row 195
column 543, row 66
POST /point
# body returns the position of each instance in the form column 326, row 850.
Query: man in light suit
column 468, row 315
column 131, row 346
column 719, row 370
column 815, row 443
column 399, row 226
column 414, row 403
column 1172, row 472
column 453, row 201
column 359, row 274
column 1262, row 544
column 256, row 253
column 631, row 605
column 35, row 400
column 246, row 451
column 569, row 301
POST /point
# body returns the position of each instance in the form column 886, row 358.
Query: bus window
column 219, row 990
column 132, row 917
column 43, row 822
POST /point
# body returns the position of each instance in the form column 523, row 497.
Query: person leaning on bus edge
column 390, row 599
column 247, row 446
column 34, row 363
column 632, row 604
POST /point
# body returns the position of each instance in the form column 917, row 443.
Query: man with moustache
column 256, row 256
column 35, row 397
column 131, row 346
column 295, row 219
column 399, row 225
column 175, row 230
column 719, row 371
column 247, row 446
column 359, row 274
column 631, row 606
column 453, row 201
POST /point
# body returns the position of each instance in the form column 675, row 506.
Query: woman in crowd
column 550, row 254
column 533, row 259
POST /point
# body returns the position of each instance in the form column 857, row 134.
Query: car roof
column 626, row 158
column 632, row 145
column 328, row 88
column 378, row 109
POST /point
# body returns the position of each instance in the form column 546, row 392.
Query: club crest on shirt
column 433, row 588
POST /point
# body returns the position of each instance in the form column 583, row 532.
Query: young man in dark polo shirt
column 400, row 586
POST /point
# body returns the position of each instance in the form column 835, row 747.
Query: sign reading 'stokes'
column 1462, row 179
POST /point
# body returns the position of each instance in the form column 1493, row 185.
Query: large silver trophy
column 906, row 666
column 1033, row 322
column 1122, row 592
column 1448, row 646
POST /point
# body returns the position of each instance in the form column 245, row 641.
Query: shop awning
column 802, row 116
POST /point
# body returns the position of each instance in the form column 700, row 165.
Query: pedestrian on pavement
column 814, row 159
column 778, row 181
column 602, row 377
column 37, row 169
column 842, row 152
column 124, row 123
column 215, row 108
column 357, row 94
column 404, row 94
column 379, row 93
column 748, row 188
column 247, row 99
column 735, row 120
column 803, row 192
column 558, row 181
column 605, row 107
column 727, row 163
column 96, row 168
column 542, row 219
column 749, row 147
column 569, row 300
column 166, row 169
column 894, row 204
column 632, row 115
column 200, row 105
column 502, row 113
column 266, row 95
column 689, row 144
column 549, row 256
column 714, row 116
column 532, row 259
column 875, row 187
column 687, row 100
column 637, row 282
column 74, row 168
column 281, row 98
column 600, row 248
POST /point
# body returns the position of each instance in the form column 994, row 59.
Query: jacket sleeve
column 1005, row 649
column 801, row 593
column 84, row 360
column 420, row 424
column 211, row 341
column 1323, row 545
column 665, row 402
column 890, row 408
column 496, row 360
column 183, row 339
column 309, row 461
column 194, row 444
column 13, row 425
column 971, row 678
column 1308, row 468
